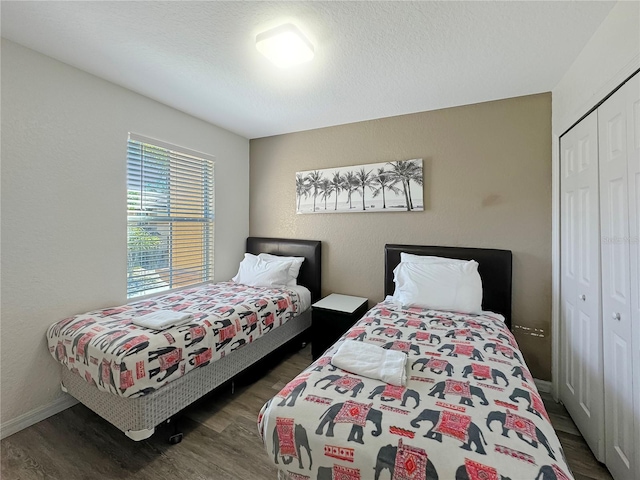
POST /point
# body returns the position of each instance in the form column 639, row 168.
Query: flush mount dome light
column 285, row 45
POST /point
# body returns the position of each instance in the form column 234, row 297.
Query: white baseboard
column 543, row 385
column 36, row 415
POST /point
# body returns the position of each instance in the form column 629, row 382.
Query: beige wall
column 64, row 237
column 487, row 174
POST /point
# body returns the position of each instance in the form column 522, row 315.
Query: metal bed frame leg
column 177, row 435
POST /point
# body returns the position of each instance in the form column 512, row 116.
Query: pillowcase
column 255, row 272
column 294, row 265
column 439, row 286
column 409, row 257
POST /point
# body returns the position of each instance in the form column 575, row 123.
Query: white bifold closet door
column 619, row 136
column 581, row 382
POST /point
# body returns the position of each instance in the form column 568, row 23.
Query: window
column 170, row 216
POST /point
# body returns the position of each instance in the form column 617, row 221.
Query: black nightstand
column 331, row 317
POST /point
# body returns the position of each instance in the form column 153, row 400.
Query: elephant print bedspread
column 470, row 409
column 106, row 349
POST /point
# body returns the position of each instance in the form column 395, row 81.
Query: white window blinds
column 170, row 216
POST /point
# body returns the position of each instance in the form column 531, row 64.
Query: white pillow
column 439, row 286
column 409, row 257
column 255, row 272
column 294, row 265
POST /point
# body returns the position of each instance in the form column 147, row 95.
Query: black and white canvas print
column 377, row 187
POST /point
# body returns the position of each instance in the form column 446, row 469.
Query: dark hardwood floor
column 582, row 462
column 220, row 442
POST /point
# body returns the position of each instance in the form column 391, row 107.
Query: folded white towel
column 162, row 319
column 372, row 361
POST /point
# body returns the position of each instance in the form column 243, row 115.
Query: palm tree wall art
column 395, row 186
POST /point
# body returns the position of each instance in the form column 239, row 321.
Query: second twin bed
column 469, row 408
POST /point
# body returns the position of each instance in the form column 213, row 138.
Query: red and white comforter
column 470, row 409
column 106, row 349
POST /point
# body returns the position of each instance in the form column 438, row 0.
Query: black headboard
column 494, row 268
column 310, row 273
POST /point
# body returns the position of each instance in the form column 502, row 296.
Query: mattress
column 304, row 297
column 470, row 408
column 108, row 351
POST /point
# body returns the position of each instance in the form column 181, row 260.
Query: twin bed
column 137, row 378
column 469, row 408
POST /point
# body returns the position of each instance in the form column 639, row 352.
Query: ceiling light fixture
column 285, row 45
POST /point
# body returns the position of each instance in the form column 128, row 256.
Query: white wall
column 64, row 135
column 609, row 58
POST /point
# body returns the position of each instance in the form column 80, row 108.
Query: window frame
column 207, row 218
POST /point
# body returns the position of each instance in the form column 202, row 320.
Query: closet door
column 580, row 327
column 633, row 142
column 614, row 149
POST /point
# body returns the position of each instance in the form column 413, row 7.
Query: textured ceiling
column 373, row 59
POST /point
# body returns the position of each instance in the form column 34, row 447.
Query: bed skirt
column 138, row 417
